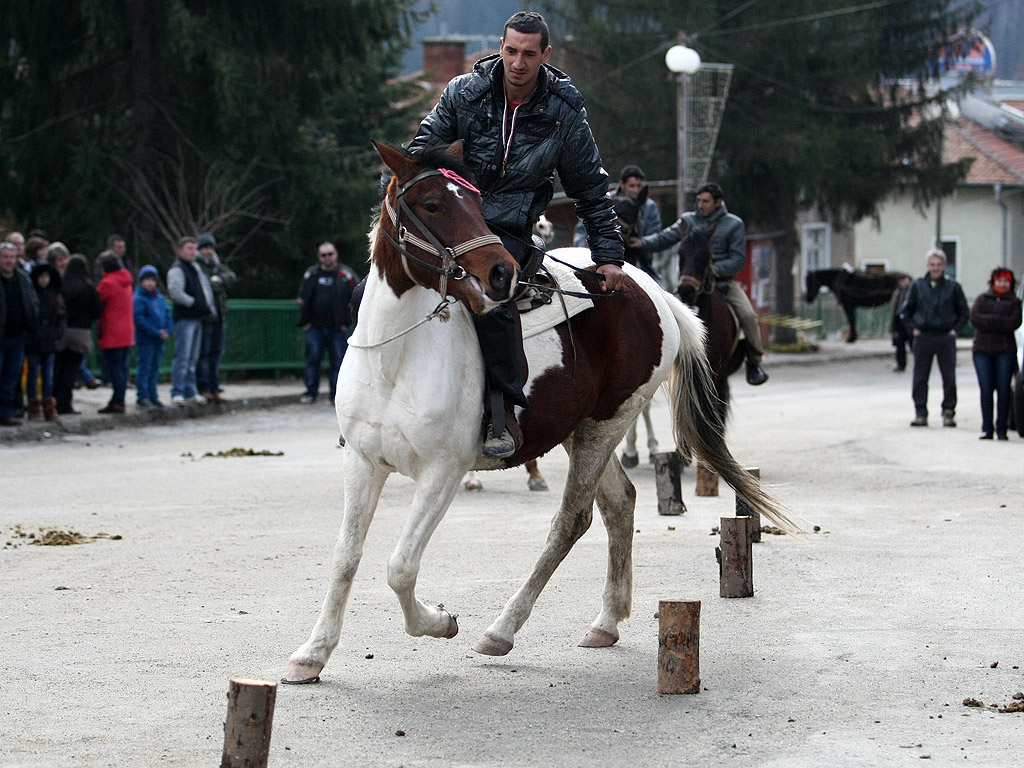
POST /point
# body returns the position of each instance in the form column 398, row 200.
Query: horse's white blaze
column 454, row 188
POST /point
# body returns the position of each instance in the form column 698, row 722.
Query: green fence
column 262, row 337
column 872, row 322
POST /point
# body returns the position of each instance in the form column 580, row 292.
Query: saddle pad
column 538, row 320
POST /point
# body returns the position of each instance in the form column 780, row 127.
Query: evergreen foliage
column 159, row 118
column 832, row 103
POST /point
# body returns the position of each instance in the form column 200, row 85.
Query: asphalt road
column 858, row 648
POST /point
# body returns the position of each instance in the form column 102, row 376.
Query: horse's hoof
column 598, row 638
column 302, row 674
column 453, row 623
column 630, row 460
column 492, row 645
column 473, row 485
column 537, row 484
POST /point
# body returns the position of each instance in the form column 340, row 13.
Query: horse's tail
column 697, row 422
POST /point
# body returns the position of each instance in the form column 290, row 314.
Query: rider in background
column 728, row 254
column 521, row 120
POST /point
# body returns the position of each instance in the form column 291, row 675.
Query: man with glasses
column 325, row 314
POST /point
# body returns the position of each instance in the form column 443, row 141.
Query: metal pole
column 682, row 118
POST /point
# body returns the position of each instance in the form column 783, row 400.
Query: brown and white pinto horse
column 410, row 400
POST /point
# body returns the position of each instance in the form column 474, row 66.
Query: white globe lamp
column 682, row 60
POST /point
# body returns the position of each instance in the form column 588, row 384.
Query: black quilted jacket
column 551, row 135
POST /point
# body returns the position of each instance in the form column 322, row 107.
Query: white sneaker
column 197, row 399
column 307, row 399
column 178, row 400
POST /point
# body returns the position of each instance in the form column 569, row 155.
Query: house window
column 815, row 251
column 950, row 248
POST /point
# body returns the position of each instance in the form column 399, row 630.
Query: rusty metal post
column 668, row 469
column 679, row 646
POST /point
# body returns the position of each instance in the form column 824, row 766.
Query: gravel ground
column 858, row 648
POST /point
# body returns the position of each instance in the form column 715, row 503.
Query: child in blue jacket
column 153, row 324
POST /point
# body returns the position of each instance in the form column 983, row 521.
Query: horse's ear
column 395, row 158
column 455, row 150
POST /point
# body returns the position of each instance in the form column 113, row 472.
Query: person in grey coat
column 728, row 255
column 934, row 310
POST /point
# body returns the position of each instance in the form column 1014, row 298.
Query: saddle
column 543, row 305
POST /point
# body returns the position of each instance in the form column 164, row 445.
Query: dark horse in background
column 725, row 349
column 854, row 289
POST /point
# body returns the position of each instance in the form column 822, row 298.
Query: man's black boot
column 756, row 375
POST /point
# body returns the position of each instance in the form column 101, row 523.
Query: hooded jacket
column 152, row 315
column 53, row 318
column 551, row 133
column 117, row 326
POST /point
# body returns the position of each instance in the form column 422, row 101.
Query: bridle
column 449, row 255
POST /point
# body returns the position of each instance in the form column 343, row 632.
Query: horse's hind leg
column 362, row 490
column 616, row 500
column 629, row 455
column 652, row 441
column 589, row 451
column 536, row 480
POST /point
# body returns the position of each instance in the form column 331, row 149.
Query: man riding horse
column 521, row 120
column 728, row 248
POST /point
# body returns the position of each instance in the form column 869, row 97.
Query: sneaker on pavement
column 178, row 400
column 307, row 399
column 197, row 399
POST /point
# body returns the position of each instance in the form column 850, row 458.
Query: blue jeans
column 12, row 355
column 116, row 361
column 994, row 375
column 319, row 340
column 208, row 367
column 39, row 364
column 188, row 343
column 148, row 370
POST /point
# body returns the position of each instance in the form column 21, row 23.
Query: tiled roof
column 996, row 161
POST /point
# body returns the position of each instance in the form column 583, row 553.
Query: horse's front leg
column 363, row 484
column 430, row 503
column 589, row 450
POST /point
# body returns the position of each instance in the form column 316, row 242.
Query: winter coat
column 221, row 277
column 152, row 315
column 938, row 308
column 117, row 325
column 342, row 282
column 29, row 303
column 551, row 134
column 995, row 318
column 53, row 318
column 190, row 291
column 728, row 244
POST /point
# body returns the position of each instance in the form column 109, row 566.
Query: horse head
column 694, row 262
column 812, row 286
column 432, row 232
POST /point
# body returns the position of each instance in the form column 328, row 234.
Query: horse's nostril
column 501, row 280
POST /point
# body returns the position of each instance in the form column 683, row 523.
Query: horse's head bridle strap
column 450, row 268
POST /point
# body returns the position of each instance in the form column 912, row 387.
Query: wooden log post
column 735, row 558
column 668, row 469
column 707, row 480
column 745, row 510
column 249, row 722
column 679, row 646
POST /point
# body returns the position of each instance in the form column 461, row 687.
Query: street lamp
column 682, row 62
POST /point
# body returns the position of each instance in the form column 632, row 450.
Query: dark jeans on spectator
column 12, row 358
column 318, row 341
column 994, row 375
column 116, row 361
column 40, row 366
column 208, row 367
column 65, row 373
column 147, row 372
column 941, row 347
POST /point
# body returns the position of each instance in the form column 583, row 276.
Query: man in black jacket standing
column 325, row 296
column 521, row 120
column 934, row 310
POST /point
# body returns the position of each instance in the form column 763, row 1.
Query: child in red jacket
column 116, row 330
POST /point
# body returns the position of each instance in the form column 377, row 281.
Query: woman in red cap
column 996, row 314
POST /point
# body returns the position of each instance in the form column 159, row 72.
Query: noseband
column 449, row 255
